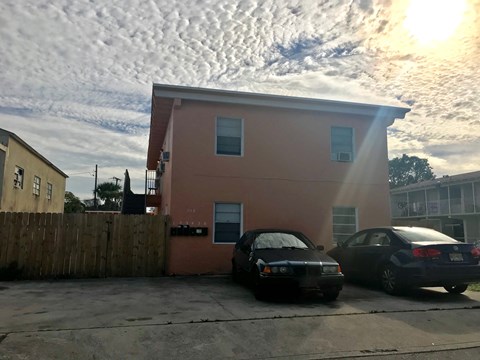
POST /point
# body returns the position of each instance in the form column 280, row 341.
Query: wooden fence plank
column 104, row 242
column 48, row 246
column 59, row 247
column 24, row 243
column 87, row 242
column 5, row 220
column 12, row 250
column 112, row 254
column 164, row 231
column 158, row 237
column 29, row 269
column 38, row 239
column 70, row 239
column 118, row 246
column 53, row 243
column 133, row 244
column 84, row 230
column 148, row 248
column 109, row 246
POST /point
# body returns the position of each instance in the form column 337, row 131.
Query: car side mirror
column 320, row 247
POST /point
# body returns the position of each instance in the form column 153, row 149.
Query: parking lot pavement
column 210, row 317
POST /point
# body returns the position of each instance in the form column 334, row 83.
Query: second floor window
column 18, row 177
column 342, row 144
column 229, row 136
column 49, row 191
column 36, row 186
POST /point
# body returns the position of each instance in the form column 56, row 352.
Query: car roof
column 257, row 231
column 394, row 228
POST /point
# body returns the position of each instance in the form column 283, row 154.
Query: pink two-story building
column 232, row 161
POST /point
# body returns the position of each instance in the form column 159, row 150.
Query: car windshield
column 279, row 240
column 422, row 235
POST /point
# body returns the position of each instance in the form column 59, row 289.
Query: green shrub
column 474, row 287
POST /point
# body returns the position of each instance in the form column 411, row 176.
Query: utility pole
column 116, row 180
column 95, row 204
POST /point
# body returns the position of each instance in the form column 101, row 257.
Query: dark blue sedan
column 404, row 257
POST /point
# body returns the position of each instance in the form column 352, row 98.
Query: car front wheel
column 258, row 288
column 389, row 280
column 456, row 289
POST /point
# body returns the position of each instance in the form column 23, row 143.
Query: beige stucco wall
column 23, row 200
column 3, row 155
column 284, row 179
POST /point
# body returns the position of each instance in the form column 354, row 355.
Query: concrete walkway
column 212, row 318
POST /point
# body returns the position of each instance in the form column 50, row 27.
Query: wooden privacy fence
column 82, row 245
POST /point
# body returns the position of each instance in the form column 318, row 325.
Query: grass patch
column 474, row 287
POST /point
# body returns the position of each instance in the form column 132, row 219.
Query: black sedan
column 283, row 258
column 399, row 258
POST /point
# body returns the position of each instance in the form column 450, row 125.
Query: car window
column 422, row 235
column 245, row 241
column 241, row 241
column 357, row 240
column 249, row 239
column 379, row 238
column 277, row 240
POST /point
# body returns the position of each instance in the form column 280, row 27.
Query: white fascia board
column 278, row 101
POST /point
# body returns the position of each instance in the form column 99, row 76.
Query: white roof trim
column 278, row 101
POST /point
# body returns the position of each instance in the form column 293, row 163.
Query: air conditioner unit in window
column 344, row 156
column 166, row 156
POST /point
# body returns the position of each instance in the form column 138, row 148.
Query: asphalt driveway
column 212, row 318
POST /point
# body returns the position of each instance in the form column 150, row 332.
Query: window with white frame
column 49, row 191
column 229, row 136
column 344, row 223
column 342, row 144
column 36, row 185
column 228, row 222
column 18, row 177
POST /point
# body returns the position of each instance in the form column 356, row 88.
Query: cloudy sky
column 76, row 75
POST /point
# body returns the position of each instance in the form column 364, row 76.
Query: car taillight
column 426, row 253
column 476, row 252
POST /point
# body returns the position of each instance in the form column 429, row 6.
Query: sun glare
column 431, row 21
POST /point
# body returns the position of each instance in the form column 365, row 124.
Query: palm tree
column 110, row 194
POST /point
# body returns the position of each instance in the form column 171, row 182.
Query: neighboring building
column 450, row 204
column 28, row 181
column 231, row 161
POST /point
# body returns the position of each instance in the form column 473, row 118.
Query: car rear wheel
column 235, row 276
column 456, row 289
column 389, row 280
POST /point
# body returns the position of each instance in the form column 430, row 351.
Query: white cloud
column 76, row 75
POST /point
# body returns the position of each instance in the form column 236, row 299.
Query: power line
column 92, row 173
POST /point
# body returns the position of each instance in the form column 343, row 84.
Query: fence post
column 109, row 222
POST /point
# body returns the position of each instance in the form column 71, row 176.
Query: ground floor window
column 344, row 222
column 228, row 222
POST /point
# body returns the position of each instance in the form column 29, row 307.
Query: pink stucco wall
column 285, row 177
